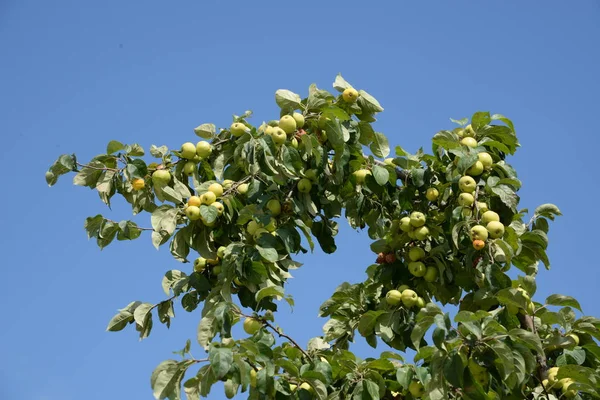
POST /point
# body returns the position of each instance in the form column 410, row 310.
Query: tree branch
column 527, row 323
column 281, row 334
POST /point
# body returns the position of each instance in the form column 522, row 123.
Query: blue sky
column 75, row 75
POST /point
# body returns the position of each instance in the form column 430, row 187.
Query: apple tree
column 235, row 208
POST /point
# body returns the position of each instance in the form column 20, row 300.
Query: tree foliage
column 236, row 207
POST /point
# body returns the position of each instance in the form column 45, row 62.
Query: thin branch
column 164, row 301
column 281, row 334
column 236, row 184
column 98, row 168
column 138, row 227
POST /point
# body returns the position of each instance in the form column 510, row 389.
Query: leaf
column 164, row 218
column 507, row 195
column 560, row 300
column 220, row 359
column 166, row 379
column 368, row 103
column 114, row 146
column 529, row 339
column 134, row 150
column 480, row 119
column 271, row 291
column 419, row 330
column 548, row 211
column 454, row 370
column 466, row 162
column 287, row 100
column 88, row 176
column 335, row 135
column 120, row 321
column 171, row 278
column 340, row 83
column 205, row 131
column 205, row 331
column 366, row 324
column 505, row 358
column 446, row 140
column 380, row 145
column 141, row 312
column 158, row 152
column 381, row 175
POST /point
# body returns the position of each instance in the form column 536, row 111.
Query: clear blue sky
column 75, row 75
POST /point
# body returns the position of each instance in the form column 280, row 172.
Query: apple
column 227, row 183
column 478, row 244
column 243, row 188
column 416, row 389
column 161, row 177
column 421, row 233
column 279, row 136
column 194, row 201
column 299, row 118
column 350, row 95
column 304, row 185
column 489, row 216
column 566, row 382
column 478, row 232
column 269, row 130
column 417, row 219
column 189, row 168
column 252, row 325
column 483, row 207
column 271, row 226
column 466, row 212
column 311, row 174
column 420, row 302
column 292, row 387
column 274, row 206
column 467, row 184
column 208, row 198
column 475, row 169
column 306, row 386
column 405, row 225
column 199, row 264
column 221, row 252
column 216, row 270
column 469, row 142
column 431, row 274
column 237, row 129
column 393, row 297
column 552, row 372
column 409, row 298
column 466, row 199
column 417, row 268
column 294, row 143
column 361, row 175
column 219, row 206
column 432, row 194
column 193, row 213
column 485, row 159
column 253, row 377
column 216, row 188
column 203, row 149
column 574, row 337
column 138, row 184
column 188, row 150
column 416, row 253
column 496, row 229
column 288, row 124
column 252, row 227
column 411, row 234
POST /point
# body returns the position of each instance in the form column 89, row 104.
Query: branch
column 400, row 173
column 281, row 334
column 527, row 323
column 98, row 168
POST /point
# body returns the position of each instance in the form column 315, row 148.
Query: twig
column 236, row 184
column 281, row 334
column 138, row 227
column 98, row 168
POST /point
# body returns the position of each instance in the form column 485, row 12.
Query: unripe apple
column 393, row 297
column 469, row 142
column 208, row 198
column 252, row 325
column 216, row 270
column 216, row 188
column 420, row 302
column 294, row 143
column 237, row 129
column 227, row 183
column 416, row 389
column 252, row 377
column 350, row 95
column 203, row 149
column 411, row 234
column 193, row 213
column 475, row 169
column 478, row 244
column 417, row 268
column 432, row 194
column 574, row 337
column 279, row 136
column 409, row 298
column 199, row 264
column 243, row 188
column 271, row 226
column 552, row 373
column 252, row 227
column 304, row 185
column 469, row 131
column 489, row 216
column 306, row 386
column 496, row 229
column 188, row 150
column 299, row 118
column 194, row 201
column 466, row 212
column 219, row 206
column 361, row 175
column 269, row 130
column 431, row 274
column 416, row 253
column 189, row 168
column 274, row 206
column 311, row 174
column 405, row 225
column 288, row 124
column 417, row 219
column 466, row 199
column 467, row 184
column 138, row 184
column 485, row 159
column 483, row 207
column 566, row 382
column 221, row 252
column 421, row 233
column 161, row 177
column 478, row 232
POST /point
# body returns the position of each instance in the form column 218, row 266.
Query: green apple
column 161, row 177
column 306, row 386
column 199, row 264
column 402, row 288
column 189, row 168
column 194, row 201
column 350, row 95
column 416, row 253
column 237, row 129
column 469, row 131
column 193, row 213
column 274, row 206
column 411, row 234
column 469, row 142
column 271, row 226
column 311, row 174
column 574, row 337
column 243, row 188
column 304, row 185
column 466, row 199
column 294, row 143
column 405, row 225
column 478, row 232
column 489, row 216
column 485, row 159
column 409, row 298
column 299, row 118
column 279, row 136
column 566, row 382
column 216, row 270
column 467, row 184
column 417, row 219
column 216, row 188
column 483, row 207
column 221, row 252
column 420, row 302
column 475, row 169
column 393, row 297
column 188, row 150
column 259, row 232
column 361, row 175
column 552, row 372
column 466, row 212
column 227, row 183
column 431, row 274
column 269, row 129
column 432, row 194
column 416, row 389
column 138, row 184
column 288, row 124
column 208, row 198
column 252, row 227
column 203, row 149
column 417, row 268
column 252, row 325
column 421, row 233
column 496, row 229
column 219, row 206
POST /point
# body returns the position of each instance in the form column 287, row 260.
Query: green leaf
column 164, row 218
column 466, row 162
column 158, row 152
column 504, row 361
column 446, row 140
column 419, row 330
column 134, row 150
column 205, row 131
column 381, row 175
column 480, row 119
column 166, row 379
column 560, row 300
column 205, row 331
column 287, row 100
column 380, row 145
column 454, row 370
column 171, row 278
column 114, row 146
column 141, row 313
column 368, row 103
column 335, row 135
column 340, row 83
column 507, row 195
column 120, row 321
column 271, row 291
column 549, row 211
column 529, row 339
column 366, row 324
column 220, row 359
column 88, row 176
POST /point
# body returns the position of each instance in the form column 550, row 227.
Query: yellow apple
column 299, row 118
column 350, row 95
column 138, row 184
column 203, row 149
column 216, row 188
column 237, row 129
